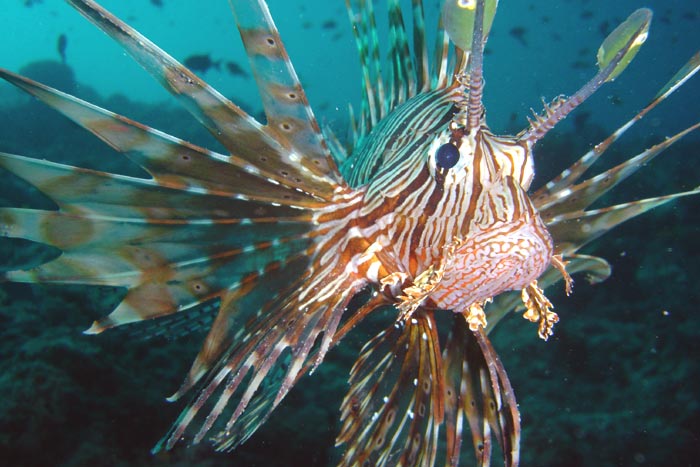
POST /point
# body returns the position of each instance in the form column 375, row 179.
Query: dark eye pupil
column 447, row 156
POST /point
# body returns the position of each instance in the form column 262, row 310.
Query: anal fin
column 477, row 387
column 392, row 412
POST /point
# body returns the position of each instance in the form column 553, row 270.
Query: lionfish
column 297, row 237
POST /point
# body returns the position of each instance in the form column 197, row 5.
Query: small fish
column 61, row 45
column 580, row 120
column 329, row 24
column 158, row 3
column 235, row 69
column 518, row 33
column 201, row 63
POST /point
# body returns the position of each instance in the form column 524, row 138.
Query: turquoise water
column 618, row 384
column 555, row 55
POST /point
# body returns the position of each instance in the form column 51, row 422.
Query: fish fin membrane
column 290, row 119
column 580, row 196
column 573, row 230
column 171, row 161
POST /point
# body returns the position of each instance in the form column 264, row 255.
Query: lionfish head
column 466, row 185
column 484, row 180
column 463, row 191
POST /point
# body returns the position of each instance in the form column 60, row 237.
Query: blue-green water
column 617, row 386
column 554, row 55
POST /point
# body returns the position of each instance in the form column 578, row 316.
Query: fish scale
column 298, row 238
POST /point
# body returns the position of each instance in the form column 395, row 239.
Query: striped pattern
column 400, row 141
column 289, row 239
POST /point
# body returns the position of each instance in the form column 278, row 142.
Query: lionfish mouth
column 294, row 236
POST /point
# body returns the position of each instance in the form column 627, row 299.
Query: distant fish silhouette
column 61, row 45
column 158, row 3
column 329, row 24
column 518, row 32
column 201, row 62
column 235, row 69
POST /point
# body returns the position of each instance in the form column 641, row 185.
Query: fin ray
column 287, row 109
column 273, row 349
column 236, row 130
column 392, row 412
column 477, row 388
column 171, row 161
column 569, row 176
column 573, row 230
column 584, row 194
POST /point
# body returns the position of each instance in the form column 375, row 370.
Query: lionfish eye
column 447, row 156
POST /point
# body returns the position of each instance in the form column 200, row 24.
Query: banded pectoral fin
column 477, row 387
column 260, row 344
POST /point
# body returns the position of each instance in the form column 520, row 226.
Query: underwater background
column 617, row 385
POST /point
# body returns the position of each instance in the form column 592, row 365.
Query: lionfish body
column 426, row 209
